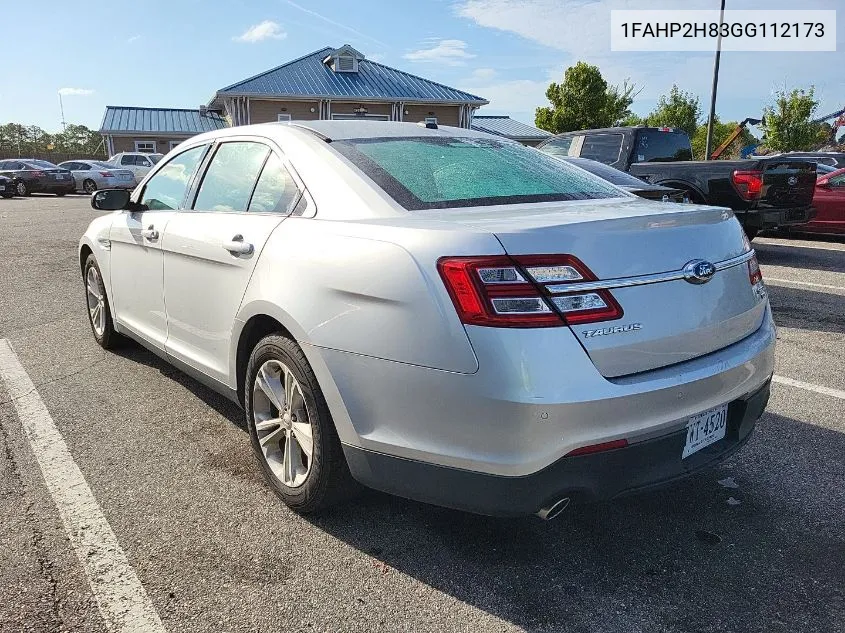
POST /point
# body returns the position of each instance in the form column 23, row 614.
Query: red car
column 829, row 201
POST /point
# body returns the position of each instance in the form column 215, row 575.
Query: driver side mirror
column 110, row 199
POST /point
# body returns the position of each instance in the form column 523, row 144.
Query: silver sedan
column 92, row 175
column 438, row 313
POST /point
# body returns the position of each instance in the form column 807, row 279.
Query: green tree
column 677, row 109
column 788, row 122
column 721, row 131
column 77, row 139
column 584, row 101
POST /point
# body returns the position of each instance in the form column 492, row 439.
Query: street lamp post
column 712, row 116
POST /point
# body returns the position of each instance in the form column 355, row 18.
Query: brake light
column 38, row 174
column 598, row 448
column 106, row 174
column 755, row 275
column 749, row 184
column 524, row 291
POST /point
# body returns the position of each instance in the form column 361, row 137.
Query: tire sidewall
column 286, row 351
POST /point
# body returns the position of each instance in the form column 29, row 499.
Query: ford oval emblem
column 699, row 271
column 792, row 180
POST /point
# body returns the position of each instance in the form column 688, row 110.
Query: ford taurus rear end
column 617, row 344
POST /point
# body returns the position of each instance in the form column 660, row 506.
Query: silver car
column 139, row 163
column 438, row 313
column 91, row 175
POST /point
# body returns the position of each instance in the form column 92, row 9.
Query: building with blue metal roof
column 152, row 130
column 342, row 83
column 510, row 128
column 329, row 83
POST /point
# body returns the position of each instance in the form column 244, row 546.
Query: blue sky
column 176, row 53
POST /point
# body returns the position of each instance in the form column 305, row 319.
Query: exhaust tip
column 550, row 512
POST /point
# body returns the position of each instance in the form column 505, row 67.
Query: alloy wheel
column 282, row 423
column 96, row 301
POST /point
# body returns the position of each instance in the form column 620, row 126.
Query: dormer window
column 344, row 60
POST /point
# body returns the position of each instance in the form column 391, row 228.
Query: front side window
column 837, row 181
column 276, row 191
column 230, row 179
column 604, row 148
column 439, row 172
column 127, row 159
column 167, row 188
column 142, row 162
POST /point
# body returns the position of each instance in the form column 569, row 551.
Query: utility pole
column 712, row 116
column 62, row 109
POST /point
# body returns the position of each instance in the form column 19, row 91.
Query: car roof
column 339, row 130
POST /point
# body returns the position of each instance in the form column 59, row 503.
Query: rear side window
column 604, row 148
column 276, row 190
column 438, row 172
column 127, row 160
column 558, row 146
column 167, row 188
column 231, row 177
column 654, row 146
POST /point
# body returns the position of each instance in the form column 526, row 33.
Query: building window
column 147, row 147
column 283, row 117
column 174, row 144
column 361, row 117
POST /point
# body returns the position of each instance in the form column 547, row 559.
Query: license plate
column 126, row 177
column 60, row 176
column 2, row 188
column 705, row 428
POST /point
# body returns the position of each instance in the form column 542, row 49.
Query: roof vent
column 203, row 110
column 345, row 64
column 344, row 59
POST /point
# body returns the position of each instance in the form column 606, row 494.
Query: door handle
column 149, row 233
column 237, row 246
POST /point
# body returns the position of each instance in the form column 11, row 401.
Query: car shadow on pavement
column 764, row 556
column 805, row 257
column 225, row 407
column 807, row 309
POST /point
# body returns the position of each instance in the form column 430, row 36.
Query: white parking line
column 122, row 600
column 827, row 391
column 775, row 281
column 821, row 246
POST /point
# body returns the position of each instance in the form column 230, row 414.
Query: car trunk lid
column 637, row 250
column 788, row 183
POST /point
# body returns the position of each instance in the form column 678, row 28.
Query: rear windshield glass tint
column 654, row 146
column 43, row 164
column 439, row 172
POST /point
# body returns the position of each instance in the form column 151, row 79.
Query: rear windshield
column 654, row 146
column 438, row 172
column 42, row 163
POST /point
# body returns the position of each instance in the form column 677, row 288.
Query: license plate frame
column 704, row 429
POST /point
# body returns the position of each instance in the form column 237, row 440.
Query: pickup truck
column 764, row 193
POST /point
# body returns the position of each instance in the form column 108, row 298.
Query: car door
column 829, row 200
column 143, row 165
column 211, row 249
column 136, row 256
column 75, row 170
column 127, row 161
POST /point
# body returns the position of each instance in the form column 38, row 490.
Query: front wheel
column 291, row 429
column 60, row 194
column 99, row 314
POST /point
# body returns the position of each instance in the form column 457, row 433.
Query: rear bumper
column 53, row 187
column 638, row 467
column 762, row 219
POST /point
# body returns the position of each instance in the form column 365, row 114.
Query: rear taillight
column 755, row 275
column 524, row 291
column 37, row 174
column 106, row 174
column 749, row 184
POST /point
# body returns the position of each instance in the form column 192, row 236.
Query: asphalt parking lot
column 757, row 545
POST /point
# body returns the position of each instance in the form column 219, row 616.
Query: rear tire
column 61, row 194
column 284, row 403
column 8, row 195
column 22, row 189
column 89, row 186
column 99, row 312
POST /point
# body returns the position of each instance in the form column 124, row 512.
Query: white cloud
column 483, row 74
column 79, row 92
column 266, row 30
column 134, row 38
column 448, row 52
column 376, row 57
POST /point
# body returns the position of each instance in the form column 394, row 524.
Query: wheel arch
column 260, row 318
